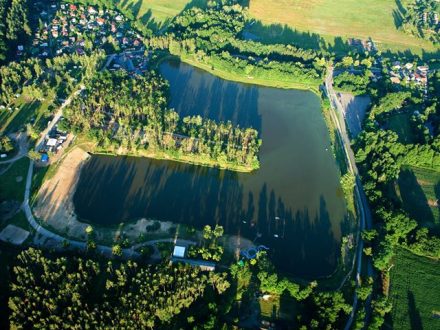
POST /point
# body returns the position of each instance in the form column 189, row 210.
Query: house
column 51, row 142
column 396, row 65
column 91, row 10
column 409, row 66
column 179, row 251
column 73, row 7
column 395, row 80
column 100, row 21
column 423, row 69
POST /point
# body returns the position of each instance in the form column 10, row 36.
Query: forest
column 49, row 290
column 132, row 113
column 78, row 293
column 15, row 26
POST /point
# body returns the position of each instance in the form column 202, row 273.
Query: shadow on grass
column 414, row 198
column 414, row 314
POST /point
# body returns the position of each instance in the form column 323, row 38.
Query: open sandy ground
column 14, row 235
column 355, row 108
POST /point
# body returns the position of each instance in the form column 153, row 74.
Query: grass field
column 154, row 13
column 309, row 23
column 13, row 181
column 415, row 292
column 23, row 112
column 419, row 189
column 400, row 123
column 343, row 18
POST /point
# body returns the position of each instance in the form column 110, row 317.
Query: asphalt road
column 361, row 200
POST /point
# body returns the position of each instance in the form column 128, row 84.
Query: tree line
column 213, row 35
column 131, row 112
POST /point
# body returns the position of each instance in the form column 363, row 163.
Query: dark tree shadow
column 414, row 313
column 398, row 18
column 413, row 197
column 284, row 34
column 401, row 8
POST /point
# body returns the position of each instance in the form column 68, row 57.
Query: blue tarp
column 44, row 158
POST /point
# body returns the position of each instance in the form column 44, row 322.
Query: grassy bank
column 193, row 159
column 219, row 71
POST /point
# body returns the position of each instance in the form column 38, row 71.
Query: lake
column 294, row 200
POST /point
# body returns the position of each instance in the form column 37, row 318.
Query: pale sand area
column 355, row 108
column 14, row 235
column 54, row 206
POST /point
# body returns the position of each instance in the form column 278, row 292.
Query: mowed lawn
column 419, row 191
column 23, row 111
column 415, row 292
column 341, row 18
column 13, row 181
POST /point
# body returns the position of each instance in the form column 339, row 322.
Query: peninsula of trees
column 129, row 115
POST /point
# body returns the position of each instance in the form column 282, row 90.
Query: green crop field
column 419, row 191
column 415, row 292
column 343, row 18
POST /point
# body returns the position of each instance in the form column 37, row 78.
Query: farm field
column 419, row 190
column 343, row 18
column 415, row 288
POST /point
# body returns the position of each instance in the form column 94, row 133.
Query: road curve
column 337, row 115
column 21, row 140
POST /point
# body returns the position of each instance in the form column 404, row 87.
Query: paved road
column 361, row 200
column 57, row 117
column 21, row 139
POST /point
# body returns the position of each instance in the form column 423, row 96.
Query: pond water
column 294, row 200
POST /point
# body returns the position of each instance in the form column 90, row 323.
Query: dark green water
column 298, row 180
